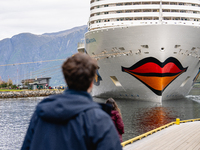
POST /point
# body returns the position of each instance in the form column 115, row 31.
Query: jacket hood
column 60, row 108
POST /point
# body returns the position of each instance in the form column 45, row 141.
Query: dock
column 184, row 136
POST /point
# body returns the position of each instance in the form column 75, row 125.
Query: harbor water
column 138, row 116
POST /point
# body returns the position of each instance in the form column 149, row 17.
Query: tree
column 9, row 83
column 13, row 86
column 4, row 85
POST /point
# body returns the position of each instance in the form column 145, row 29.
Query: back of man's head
column 79, row 71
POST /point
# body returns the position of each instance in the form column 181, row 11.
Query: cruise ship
column 146, row 49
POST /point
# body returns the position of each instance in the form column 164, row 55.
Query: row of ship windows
column 145, row 18
column 146, row 3
column 145, row 10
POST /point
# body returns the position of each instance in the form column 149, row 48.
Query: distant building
column 37, row 83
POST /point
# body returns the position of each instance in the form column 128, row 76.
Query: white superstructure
column 146, row 50
column 111, row 13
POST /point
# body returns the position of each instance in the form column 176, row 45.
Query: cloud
column 41, row 16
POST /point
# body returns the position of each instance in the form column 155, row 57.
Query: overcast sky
column 41, row 16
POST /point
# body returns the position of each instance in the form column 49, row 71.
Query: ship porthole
column 162, row 48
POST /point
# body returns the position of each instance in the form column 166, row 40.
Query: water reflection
column 152, row 118
column 138, row 116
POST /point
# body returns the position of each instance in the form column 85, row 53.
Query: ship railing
column 143, row 22
column 177, row 122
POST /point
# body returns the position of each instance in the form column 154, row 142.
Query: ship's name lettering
column 90, row 40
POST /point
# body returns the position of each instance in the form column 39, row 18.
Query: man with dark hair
column 79, row 71
column 72, row 120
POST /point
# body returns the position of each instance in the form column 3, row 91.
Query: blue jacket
column 71, row 121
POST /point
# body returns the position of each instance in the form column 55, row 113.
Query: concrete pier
column 176, row 137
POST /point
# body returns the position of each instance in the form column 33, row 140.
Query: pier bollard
column 177, row 121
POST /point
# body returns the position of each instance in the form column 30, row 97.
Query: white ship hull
column 119, row 48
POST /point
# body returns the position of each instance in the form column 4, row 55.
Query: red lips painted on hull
column 155, row 74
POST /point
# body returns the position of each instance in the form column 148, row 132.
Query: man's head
column 79, row 71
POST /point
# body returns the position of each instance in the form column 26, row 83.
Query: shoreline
column 47, row 92
column 34, row 93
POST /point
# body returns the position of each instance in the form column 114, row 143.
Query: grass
column 9, row 90
column 17, row 90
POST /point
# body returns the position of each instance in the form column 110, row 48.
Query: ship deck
column 176, row 137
